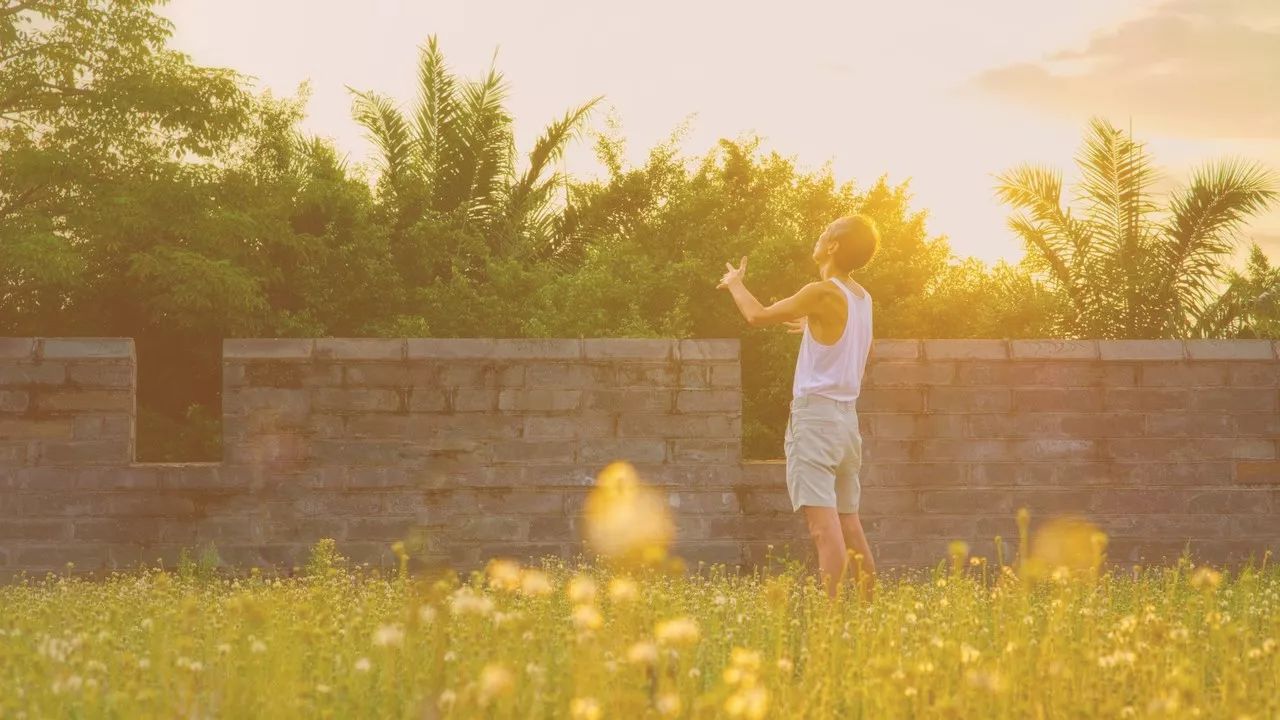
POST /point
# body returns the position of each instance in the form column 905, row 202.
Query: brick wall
column 474, row 448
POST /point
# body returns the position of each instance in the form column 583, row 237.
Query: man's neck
column 829, row 270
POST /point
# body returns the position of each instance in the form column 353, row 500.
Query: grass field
column 969, row 640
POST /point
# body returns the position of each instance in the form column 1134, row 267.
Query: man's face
column 821, row 248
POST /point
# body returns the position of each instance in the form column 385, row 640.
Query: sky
column 943, row 93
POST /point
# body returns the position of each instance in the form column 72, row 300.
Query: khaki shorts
column 824, row 454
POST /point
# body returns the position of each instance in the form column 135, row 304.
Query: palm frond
column 437, row 107
column 530, row 194
column 487, row 147
column 1203, row 221
column 386, row 127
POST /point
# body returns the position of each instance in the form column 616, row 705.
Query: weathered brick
column 634, row 450
column 703, row 502
column 651, row 374
column 771, row 473
column 936, row 449
column 84, row 556
column 1103, row 425
column 350, row 400
column 1012, row 424
column 1037, row 400
column 560, row 428
column 271, row 449
column 491, row 528
column 523, row 451
column 138, row 505
column 1141, row 350
column 882, row 500
column 514, row 502
column 910, row 425
column 680, row 426
column 101, row 375
column 1254, row 374
column 966, row 349
column 895, row 349
column 910, row 373
column 543, row 529
column 267, row 348
column 1193, row 425
column 952, row 399
column 1230, row 350
column 450, row 348
column 695, row 375
column 569, row 375
column 1054, row 449
column 136, row 477
column 471, row 375
column 378, row 426
column 915, row 474
column 289, row 374
column 629, row 400
column 1145, row 399
column 79, row 348
column 726, row 375
column 389, row 374
column 463, row 400
column 965, row 501
column 890, row 400
column 1183, row 374
column 708, row 350
column 44, row 373
column 540, row 349
column 14, row 401
column 17, row 348
column 1053, row 349
column 358, row 452
column 284, row 403
column 427, row 399
column 25, row 429
column 360, row 349
column 708, row 401
column 539, row 400
column 86, row 452
column 379, row 528
column 103, row 427
column 1178, row 449
column 35, row 530
column 132, row 530
column 1235, row 400
column 699, row 451
column 1265, row 424
column 55, row 401
column 628, row 349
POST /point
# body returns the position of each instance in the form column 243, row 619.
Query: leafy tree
column 1249, row 307
column 1119, row 267
column 452, row 162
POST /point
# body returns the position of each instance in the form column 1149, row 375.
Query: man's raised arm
column 788, row 309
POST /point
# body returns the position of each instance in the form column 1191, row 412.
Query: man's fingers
column 743, row 266
column 729, row 266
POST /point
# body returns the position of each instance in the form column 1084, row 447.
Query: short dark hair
column 857, row 240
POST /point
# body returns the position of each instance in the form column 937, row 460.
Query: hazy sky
column 945, row 93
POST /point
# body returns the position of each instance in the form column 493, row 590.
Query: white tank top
column 835, row 371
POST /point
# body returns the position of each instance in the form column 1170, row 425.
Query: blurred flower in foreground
column 626, row 520
column 495, row 681
column 680, row 631
column 503, row 574
column 1066, row 543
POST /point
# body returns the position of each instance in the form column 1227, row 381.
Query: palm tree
column 1122, row 267
column 454, row 155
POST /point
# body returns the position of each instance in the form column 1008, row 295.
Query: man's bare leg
column 856, row 541
column 824, row 528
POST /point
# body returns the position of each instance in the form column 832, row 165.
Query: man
column 823, row 444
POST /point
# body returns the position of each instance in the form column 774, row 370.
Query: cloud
column 1190, row 68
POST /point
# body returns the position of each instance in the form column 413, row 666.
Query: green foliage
column 1119, row 267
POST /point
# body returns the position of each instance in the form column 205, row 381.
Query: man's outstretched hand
column 795, row 327
column 734, row 275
